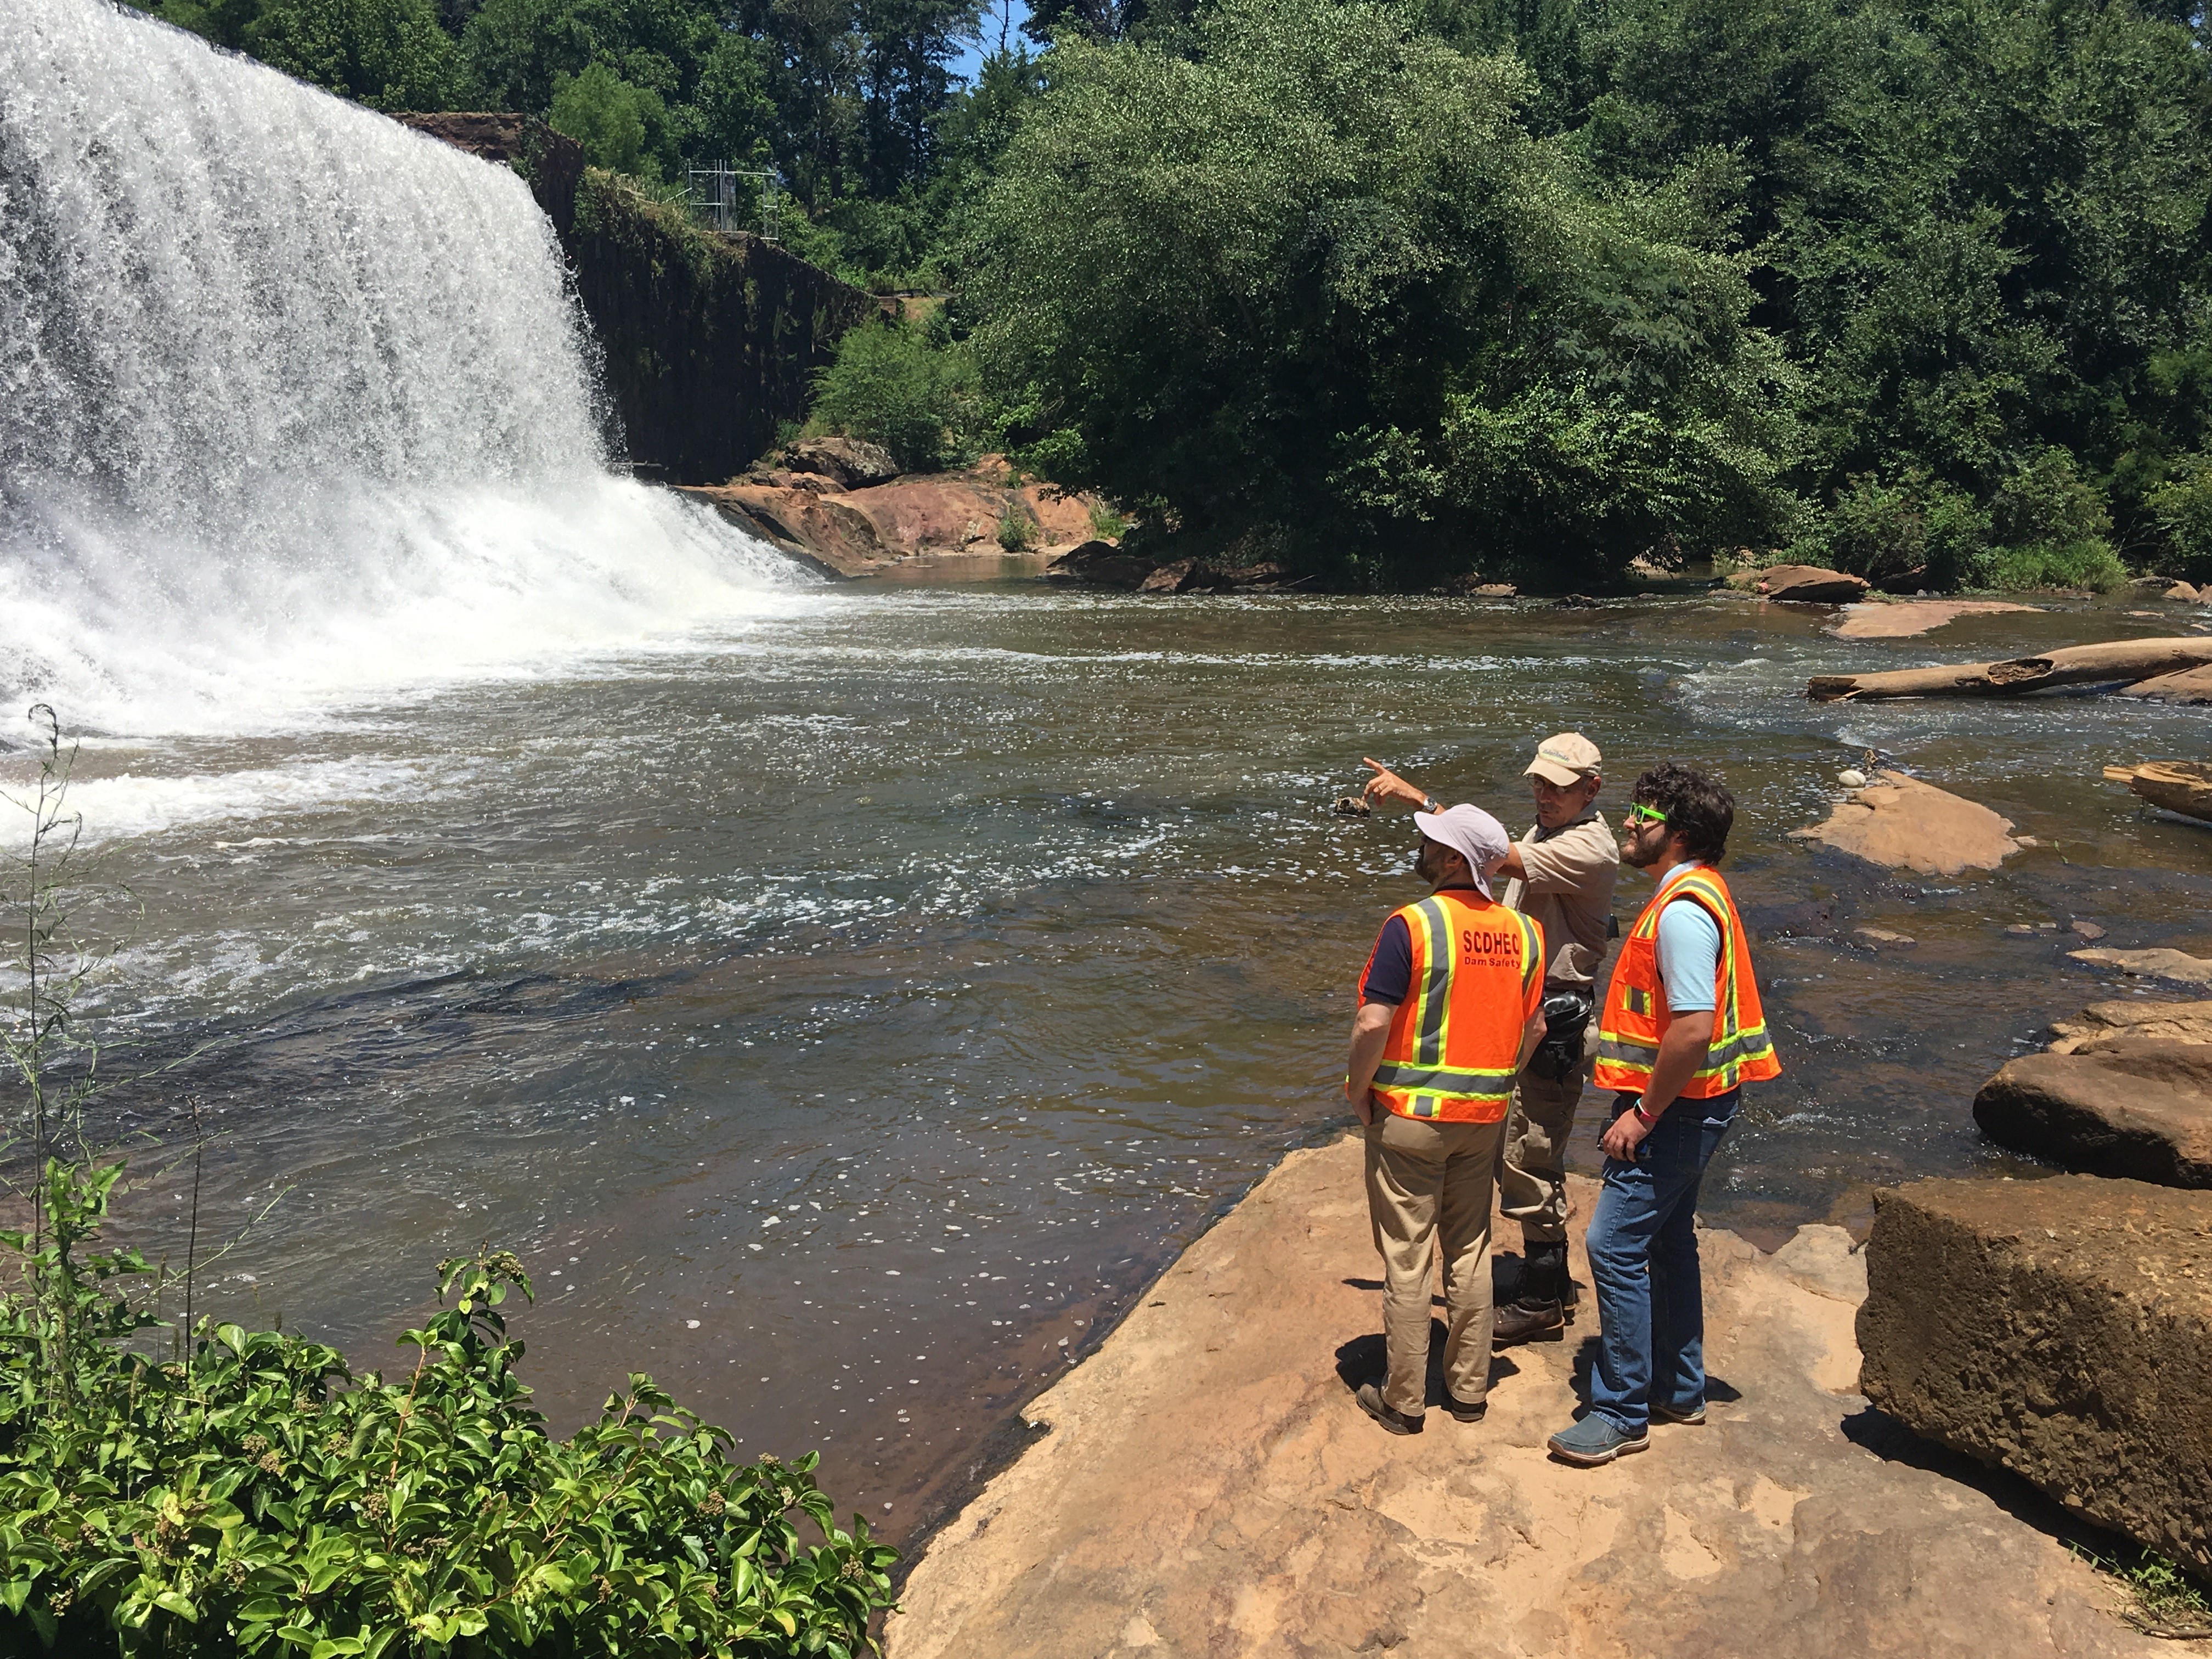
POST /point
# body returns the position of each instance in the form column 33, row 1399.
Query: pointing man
column 1561, row 873
column 1451, row 1005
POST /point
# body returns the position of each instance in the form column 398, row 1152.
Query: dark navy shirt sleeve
column 1390, row 971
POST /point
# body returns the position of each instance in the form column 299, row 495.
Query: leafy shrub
column 1015, row 530
column 610, row 118
column 2182, row 508
column 1107, row 524
column 911, row 389
column 256, row 1497
column 2048, row 525
column 1919, row 532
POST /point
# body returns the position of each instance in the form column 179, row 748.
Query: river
column 847, row 1006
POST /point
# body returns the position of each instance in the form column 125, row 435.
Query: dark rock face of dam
column 708, row 340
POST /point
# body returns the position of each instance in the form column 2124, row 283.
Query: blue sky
column 1014, row 13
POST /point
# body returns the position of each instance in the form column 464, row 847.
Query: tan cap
column 1565, row 760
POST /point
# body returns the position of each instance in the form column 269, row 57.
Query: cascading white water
column 293, row 403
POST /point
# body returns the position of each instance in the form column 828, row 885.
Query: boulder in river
column 2061, row 1328
column 2183, row 787
column 2177, row 965
column 2137, row 1107
column 1809, row 584
column 2186, row 685
column 1900, row 822
column 2102, row 1023
column 1098, row 564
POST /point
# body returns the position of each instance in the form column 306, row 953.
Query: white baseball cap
column 1472, row 833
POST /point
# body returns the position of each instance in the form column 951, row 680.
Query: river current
column 846, row 1008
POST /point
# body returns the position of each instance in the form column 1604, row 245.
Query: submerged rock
column 2137, row 1107
column 2177, row 965
column 2061, row 1328
column 1908, row 617
column 1900, row 822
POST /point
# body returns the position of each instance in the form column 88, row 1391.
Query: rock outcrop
column 865, row 531
column 1203, row 1484
column 2061, row 1328
column 847, row 462
column 1098, row 564
column 1908, row 617
column 2102, row 1023
column 2137, row 1107
column 1900, row 822
column 2176, row 965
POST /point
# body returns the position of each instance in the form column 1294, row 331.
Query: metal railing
column 731, row 199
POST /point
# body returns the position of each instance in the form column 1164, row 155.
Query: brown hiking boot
column 1519, row 1321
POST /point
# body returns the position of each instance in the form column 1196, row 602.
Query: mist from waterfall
column 295, row 404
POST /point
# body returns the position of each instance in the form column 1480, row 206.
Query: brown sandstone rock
column 2187, row 685
column 1810, row 584
column 1206, row 1486
column 2102, row 1023
column 1908, row 617
column 854, row 464
column 1173, row 578
column 2061, row 1328
column 2133, row 1106
column 2177, row 965
column 1902, row 823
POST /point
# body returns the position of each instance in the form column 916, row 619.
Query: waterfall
column 295, row 405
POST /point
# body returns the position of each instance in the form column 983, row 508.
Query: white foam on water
column 296, row 408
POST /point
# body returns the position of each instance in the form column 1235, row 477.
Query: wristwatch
column 1430, row 803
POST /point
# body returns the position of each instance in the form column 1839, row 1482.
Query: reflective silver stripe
column 1436, row 992
column 1437, row 1081
column 1626, row 1049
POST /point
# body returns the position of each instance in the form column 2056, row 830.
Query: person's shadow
column 1365, row 1359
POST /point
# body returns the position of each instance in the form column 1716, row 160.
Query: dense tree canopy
column 1920, row 286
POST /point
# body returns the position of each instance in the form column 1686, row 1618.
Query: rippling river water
column 845, row 1012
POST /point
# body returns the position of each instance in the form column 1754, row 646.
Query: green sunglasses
column 1640, row 814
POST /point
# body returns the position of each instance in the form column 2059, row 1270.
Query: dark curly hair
column 1696, row 807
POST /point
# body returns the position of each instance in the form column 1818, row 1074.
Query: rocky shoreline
column 1205, row 1484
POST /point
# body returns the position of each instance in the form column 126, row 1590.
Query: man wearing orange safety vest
column 1681, row 1032
column 1451, row 1005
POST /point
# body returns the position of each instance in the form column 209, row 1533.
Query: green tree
column 1317, row 275
column 609, row 117
column 911, row 389
column 389, row 54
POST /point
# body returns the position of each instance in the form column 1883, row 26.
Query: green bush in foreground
column 910, row 387
column 258, row 1498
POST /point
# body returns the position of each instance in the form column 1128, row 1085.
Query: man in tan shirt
column 1562, row 874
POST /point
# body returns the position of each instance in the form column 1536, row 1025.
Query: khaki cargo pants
column 1532, row 1174
column 1429, row 1185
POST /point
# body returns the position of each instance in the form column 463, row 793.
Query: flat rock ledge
column 1900, row 822
column 2061, row 1328
column 2139, row 1107
column 1208, row 1487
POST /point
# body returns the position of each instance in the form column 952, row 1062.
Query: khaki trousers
column 1532, row 1174
column 1429, row 1184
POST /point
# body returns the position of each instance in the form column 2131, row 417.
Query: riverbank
column 1206, row 1484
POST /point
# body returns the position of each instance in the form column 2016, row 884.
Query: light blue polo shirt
column 1689, row 949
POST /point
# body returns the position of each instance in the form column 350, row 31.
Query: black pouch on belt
column 1567, row 1017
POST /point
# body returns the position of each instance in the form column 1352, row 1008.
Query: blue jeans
column 1643, row 1264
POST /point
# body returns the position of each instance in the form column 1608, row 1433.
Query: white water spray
column 295, row 406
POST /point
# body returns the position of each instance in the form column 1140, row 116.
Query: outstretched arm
column 1386, row 785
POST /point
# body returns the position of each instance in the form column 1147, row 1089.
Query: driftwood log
column 2072, row 665
column 2183, row 787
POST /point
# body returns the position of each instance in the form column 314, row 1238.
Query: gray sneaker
column 1593, row 1441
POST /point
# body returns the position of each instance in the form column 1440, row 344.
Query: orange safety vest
column 1478, row 979
column 1636, row 1014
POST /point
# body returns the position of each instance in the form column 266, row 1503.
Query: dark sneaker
column 1371, row 1401
column 1520, row 1322
column 1593, row 1441
column 1464, row 1412
column 1694, row 1414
